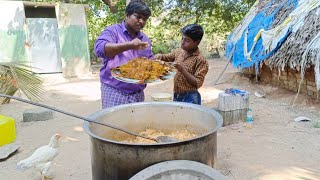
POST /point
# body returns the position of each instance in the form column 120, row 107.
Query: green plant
column 14, row 77
column 316, row 125
column 217, row 17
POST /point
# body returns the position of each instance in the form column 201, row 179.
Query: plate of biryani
column 143, row 71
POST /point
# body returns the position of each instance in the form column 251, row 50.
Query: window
column 39, row 12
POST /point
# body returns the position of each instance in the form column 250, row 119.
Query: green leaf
column 14, row 77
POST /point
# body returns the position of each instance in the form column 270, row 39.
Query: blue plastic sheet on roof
column 260, row 21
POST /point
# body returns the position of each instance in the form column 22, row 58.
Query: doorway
column 43, row 39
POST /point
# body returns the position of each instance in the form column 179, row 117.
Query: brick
column 311, row 83
column 312, row 88
column 304, row 82
column 292, row 81
column 310, row 93
column 283, row 85
column 303, row 90
column 291, row 88
column 273, row 83
column 311, row 70
column 307, row 72
column 303, row 86
column 276, row 78
column 310, row 77
column 295, row 89
column 39, row 114
column 283, row 73
column 276, row 83
column 292, row 84
column 297, row 75
column 314, row 95
column 292, row 73
column 286, row 84
column 284, row 78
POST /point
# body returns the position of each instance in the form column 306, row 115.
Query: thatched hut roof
column 280, row 33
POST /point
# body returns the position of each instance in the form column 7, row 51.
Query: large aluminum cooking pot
column 112, row 159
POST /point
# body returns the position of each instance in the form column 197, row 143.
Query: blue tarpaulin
column 261, row 21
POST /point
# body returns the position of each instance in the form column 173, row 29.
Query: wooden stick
column 229, row 59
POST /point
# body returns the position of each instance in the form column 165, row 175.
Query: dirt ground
column 276, row 147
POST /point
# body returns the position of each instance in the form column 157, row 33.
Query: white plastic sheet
column 295, row 20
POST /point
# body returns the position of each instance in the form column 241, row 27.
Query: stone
column 39, row 114
column 7, row 150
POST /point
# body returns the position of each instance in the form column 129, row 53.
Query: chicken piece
column 42, row 157
column 143, row 69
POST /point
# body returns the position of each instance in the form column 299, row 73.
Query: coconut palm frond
column 14, row 77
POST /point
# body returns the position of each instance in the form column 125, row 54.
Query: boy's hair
column 139, row 7
column 194, row 31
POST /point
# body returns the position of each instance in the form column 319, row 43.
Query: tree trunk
column 111, row 5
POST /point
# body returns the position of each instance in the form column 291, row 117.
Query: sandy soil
column 276, row 147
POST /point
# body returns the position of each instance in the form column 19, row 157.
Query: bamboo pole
column 229, row 59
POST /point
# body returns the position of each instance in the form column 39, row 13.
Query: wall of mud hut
column 288, row 79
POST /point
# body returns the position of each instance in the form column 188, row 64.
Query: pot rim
column 214, row 113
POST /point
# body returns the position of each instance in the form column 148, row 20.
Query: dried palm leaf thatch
column 262, row 5
column 280, row 15
column 283, row 13
column 271, row 8
column 291, row 51
column 14, row 77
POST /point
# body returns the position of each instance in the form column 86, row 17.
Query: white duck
column 42, row 157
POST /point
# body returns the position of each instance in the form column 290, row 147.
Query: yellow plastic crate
column 7, row 130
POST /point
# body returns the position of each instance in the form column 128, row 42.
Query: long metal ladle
column 159, row 139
